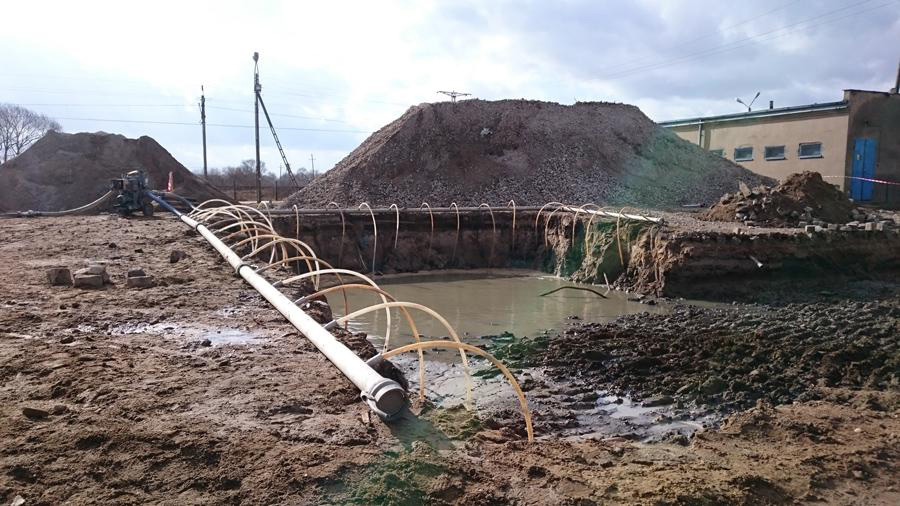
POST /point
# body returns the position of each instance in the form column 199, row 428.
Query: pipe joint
column 386, row 398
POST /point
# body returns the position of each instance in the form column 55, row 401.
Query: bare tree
column 20, row 128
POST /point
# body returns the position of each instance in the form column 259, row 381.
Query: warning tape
column 867, row 179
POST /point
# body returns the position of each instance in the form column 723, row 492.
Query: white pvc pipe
column 385, row 396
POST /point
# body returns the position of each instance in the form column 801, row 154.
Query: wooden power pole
column 256, row 89
column 203, row 122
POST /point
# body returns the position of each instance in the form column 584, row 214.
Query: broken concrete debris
column 137, row 278
column 176, row 255
column 60, row 276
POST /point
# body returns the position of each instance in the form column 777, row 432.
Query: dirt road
column 195, row 392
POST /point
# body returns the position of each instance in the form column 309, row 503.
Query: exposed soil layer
column 688, row 261
column 533, row 152
column 194, row 391
column 64, row 171
column 801, row 197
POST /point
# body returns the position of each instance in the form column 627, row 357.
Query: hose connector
column 386, row 398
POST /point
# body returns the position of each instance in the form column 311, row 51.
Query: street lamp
column 751, row 102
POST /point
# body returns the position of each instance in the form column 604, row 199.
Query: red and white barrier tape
column 866, row 179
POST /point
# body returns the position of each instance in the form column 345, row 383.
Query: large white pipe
column 385, row 396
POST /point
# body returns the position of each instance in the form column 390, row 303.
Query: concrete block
column 136, row 272
column 94, row 270
column 880, row 226
column 139, row 281
column 833, row 226
column 810, row 228
column 88, row 281
column 60, row 276
column 870, row 227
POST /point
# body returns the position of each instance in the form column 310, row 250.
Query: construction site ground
column 195, row 391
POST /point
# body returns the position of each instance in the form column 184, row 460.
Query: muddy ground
column 195, row 392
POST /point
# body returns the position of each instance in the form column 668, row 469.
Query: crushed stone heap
column 533, row 152
column 64, row 171
column 801, row 198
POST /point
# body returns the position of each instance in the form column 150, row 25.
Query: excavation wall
column 636, row 256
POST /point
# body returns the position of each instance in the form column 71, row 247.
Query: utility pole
column 256, row 90
column 897, row 82
column 203, row 122
column 312, row 163
column 454, row 94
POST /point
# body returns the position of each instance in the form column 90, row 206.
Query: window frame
column 783, row 155
column 718, row 152
column 750, row 159
column 800, row 154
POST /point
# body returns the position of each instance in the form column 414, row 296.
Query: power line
column 708, row 35
column 745, row 42
column 277, row 114
column 104, row 105
column 223, row 125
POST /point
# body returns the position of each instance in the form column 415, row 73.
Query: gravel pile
column 63, row 171
column 533, row 152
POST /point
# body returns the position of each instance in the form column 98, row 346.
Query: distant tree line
column 20, row 128
column 243, row 175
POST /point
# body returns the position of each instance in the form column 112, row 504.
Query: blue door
column 864, row 154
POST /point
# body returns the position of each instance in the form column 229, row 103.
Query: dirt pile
column 802, row 197
column 533, row 152
column 63, row 171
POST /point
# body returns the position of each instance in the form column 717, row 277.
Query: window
column 810, row 150
column 775, row 153
column 743, row 154
column 718, row 152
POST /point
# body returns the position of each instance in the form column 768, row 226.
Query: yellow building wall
column 829, row 128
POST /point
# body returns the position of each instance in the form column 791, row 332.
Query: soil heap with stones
column 64, row 171
column 532, row 152
column 800, row 199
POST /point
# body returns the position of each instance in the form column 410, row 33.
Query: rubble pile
column 533, row 152
column 802, row 199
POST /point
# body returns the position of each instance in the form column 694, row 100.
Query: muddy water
column 487, row 304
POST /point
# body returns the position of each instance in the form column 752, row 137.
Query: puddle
column 481, row 305
column 558, row 411
column 218, row 336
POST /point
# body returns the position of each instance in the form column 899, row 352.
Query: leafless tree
column 20, row 128
column 244, row 175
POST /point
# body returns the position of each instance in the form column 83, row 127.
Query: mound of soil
column 801, row 197
column 533, row 152
column 63, row 171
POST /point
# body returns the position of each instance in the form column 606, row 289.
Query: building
column 849, row 142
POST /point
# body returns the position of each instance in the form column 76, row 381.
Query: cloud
column 355, row 66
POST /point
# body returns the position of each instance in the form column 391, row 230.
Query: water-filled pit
column 483, row 305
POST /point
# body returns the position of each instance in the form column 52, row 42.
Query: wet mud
column 115, row 396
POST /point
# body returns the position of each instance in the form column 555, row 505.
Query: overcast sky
column 334, row 71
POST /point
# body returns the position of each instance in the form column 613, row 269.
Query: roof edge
column 763, row 113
